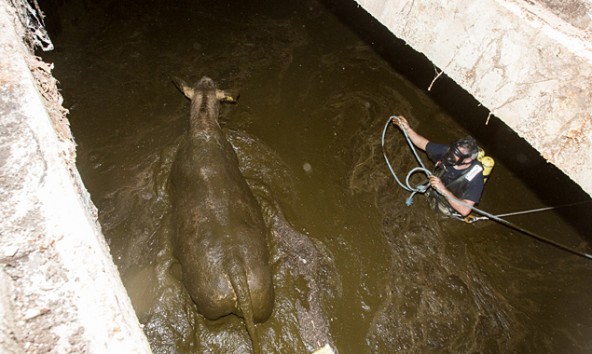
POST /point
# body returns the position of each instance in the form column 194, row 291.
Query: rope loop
column 422, row 188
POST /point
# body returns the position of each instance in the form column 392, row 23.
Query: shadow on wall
column 549, row 183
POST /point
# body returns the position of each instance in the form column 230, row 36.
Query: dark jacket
column 464, row 184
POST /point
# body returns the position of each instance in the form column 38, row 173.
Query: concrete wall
column 60, row 291
column 529, row 63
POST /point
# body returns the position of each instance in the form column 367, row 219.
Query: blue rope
column 424, row 187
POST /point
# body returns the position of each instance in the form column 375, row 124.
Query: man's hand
column 415, row 138
column 438, row 186
column 401, row 122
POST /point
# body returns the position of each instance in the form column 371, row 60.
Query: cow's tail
column 238, row 278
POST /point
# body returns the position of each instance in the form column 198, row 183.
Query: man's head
column 463, row 151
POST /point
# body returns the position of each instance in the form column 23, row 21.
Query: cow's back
column 218, row 227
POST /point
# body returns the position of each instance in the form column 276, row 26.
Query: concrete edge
column 529, row 67
column 66, row 294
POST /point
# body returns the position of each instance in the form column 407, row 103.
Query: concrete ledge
column 61, row 291
column 530, row 64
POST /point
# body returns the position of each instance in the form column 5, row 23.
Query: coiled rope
column 422, row 188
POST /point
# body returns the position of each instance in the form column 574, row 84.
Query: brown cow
column 220, row 236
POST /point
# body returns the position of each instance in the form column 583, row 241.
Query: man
column 457, row 179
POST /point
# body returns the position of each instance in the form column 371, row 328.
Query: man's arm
column 419, row 141
column 463, row 209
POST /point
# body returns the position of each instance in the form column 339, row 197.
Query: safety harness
column 458, row 187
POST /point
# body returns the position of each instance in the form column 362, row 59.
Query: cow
column 219, row 233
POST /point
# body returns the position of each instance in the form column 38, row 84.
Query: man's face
column 467, row 158
column 457, row 156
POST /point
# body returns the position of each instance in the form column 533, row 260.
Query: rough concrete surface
column 528, row 62
column 59, row 289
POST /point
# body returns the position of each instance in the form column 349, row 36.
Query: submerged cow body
column 220, row 234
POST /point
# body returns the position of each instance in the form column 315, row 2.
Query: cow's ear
column 183, row 87
column 225, row 96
